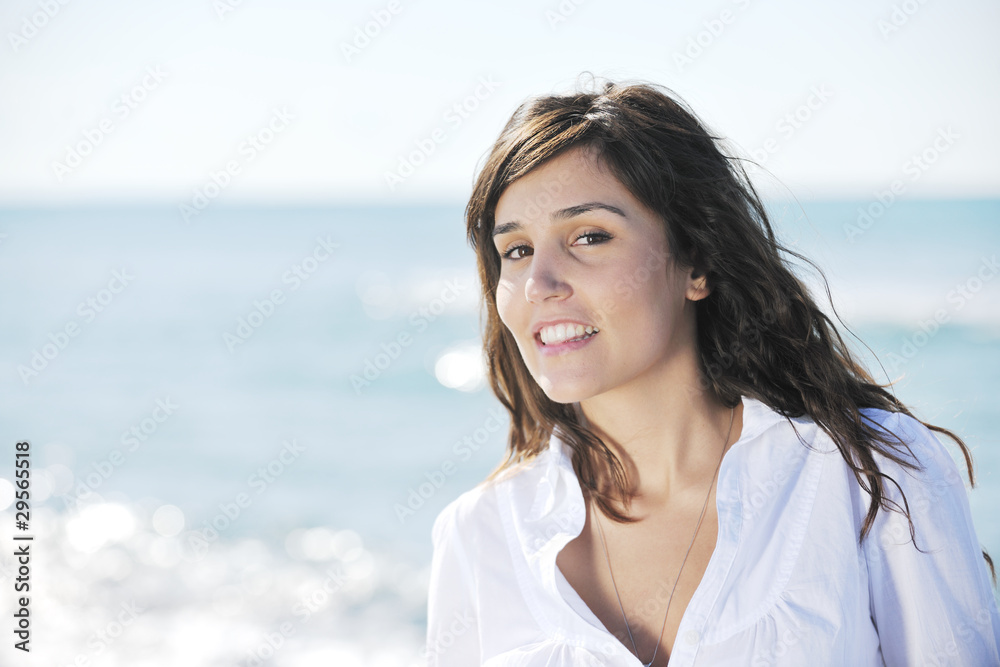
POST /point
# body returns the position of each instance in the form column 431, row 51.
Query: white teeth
column 563, row 332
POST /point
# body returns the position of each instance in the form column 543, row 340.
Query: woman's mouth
column 564, row 332
column 567, row 345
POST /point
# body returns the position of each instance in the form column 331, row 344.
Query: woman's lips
column 564, row 347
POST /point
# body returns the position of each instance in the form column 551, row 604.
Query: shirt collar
column 542, row 508
column 556, row 506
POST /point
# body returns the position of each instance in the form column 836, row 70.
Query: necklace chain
column 697, row 528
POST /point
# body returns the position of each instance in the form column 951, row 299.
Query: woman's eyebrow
column 562, row 214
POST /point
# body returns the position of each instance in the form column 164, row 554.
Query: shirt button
column 691, row 637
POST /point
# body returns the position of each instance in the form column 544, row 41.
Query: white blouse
column 787, row 583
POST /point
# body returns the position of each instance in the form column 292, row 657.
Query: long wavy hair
column 759, row 331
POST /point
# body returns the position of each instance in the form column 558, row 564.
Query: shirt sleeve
column 452, row 616
column 935, row 607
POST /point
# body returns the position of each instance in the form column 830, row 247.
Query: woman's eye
column 513, row 249
column 601, row 236
column 595, row 239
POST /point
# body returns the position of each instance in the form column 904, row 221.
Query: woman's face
column 580, row 249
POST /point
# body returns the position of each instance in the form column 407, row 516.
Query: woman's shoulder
column 924, row 454
column 919, row 459
column 460, row 513
column 478, row 508
column 916, row 444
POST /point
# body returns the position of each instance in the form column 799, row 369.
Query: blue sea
column 242, row 426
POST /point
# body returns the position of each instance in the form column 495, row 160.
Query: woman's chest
column 639, row 580
column 771, row 579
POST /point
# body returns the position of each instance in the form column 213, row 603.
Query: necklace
column 697, row 528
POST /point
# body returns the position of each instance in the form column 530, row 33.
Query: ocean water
column 231, row 419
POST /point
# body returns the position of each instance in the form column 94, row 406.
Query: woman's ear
column 697, row 285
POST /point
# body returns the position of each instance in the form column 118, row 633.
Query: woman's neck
column 669, row 435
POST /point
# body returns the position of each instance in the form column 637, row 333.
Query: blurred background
column 240, row 318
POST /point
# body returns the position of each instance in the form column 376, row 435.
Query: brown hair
column 759, row 331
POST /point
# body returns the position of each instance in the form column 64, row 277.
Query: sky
column 398, row 101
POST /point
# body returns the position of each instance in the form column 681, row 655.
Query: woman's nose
column 546, row 278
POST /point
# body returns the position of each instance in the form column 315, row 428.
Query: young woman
column 698, row 470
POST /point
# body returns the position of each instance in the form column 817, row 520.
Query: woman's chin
column 565, row 391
